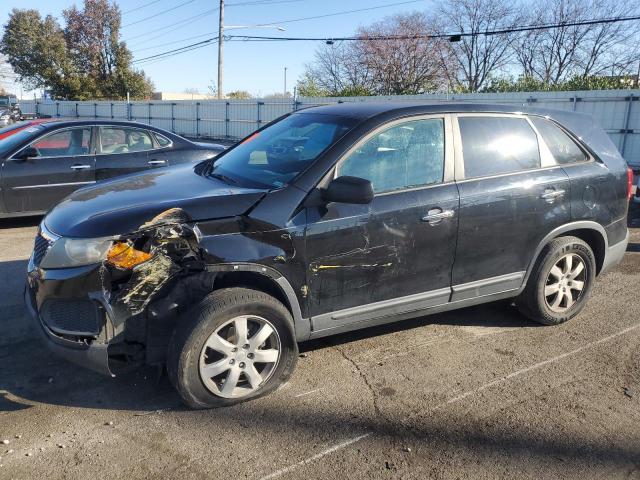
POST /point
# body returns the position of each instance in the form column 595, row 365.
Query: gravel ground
column 475, row 393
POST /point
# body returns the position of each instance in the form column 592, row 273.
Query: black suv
column 330, row 219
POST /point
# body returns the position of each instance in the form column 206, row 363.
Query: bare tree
column 477, row 57
column 337, row 69
column 407, row 61
column 558, row 54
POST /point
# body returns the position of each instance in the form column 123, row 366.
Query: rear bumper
column 93, row 355
column 614, row 254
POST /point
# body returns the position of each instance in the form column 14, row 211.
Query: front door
column 62, row 162
column 512, row 194
column 394, row 255
column 124, row 150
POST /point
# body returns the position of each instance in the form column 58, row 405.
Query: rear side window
column 562, row 147
column 162, row 141
column 115, row 140
column 494, row 145
column 409, row 154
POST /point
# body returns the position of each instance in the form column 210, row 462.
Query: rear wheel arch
column 590, row 232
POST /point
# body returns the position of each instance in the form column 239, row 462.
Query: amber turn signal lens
column 124, row 255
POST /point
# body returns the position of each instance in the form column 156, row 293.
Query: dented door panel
column 358, row 255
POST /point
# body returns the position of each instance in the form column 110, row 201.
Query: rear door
column 123, row 149
column 64, row 163
column 512, row 194
column 394, row 255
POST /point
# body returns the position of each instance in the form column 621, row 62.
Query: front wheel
column 236, row 344
column 560, row 283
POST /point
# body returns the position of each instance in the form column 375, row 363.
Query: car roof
column 62, row 122
column 363, row 110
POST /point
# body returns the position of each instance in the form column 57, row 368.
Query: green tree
column 239, row 95
column 83, row 60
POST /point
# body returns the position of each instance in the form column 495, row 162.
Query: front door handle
column 157, row 162
column 80, row 167
column 551, row 194
column 436, row 215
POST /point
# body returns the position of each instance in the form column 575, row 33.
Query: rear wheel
column 560, row 282
column 236, row 344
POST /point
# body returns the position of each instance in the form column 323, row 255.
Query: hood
column 122, row 205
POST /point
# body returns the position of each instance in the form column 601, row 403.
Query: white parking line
column 307, row 393
column 455, row 399
column 517, row 373
column 317, row 456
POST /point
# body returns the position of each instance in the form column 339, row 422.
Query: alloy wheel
column 565, row 283
column 240, row 356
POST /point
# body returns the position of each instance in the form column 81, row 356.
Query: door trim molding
column 68, row 184
column 384, row 308
column 487, row 286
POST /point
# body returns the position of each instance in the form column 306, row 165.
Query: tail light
column 629, row 183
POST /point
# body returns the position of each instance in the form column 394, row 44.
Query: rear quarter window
column 495, row 145
column 561, row 145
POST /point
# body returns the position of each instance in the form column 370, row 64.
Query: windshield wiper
column 224, row 178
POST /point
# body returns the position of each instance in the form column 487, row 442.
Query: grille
column 72, row 317
column 40, row 247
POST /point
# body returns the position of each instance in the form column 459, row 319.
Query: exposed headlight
column 75, row 252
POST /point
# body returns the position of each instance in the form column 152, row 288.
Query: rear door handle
column 157, row 162
column 80, row 167
column 436, row 215
column 551, row 194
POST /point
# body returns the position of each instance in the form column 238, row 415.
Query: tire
column 539, row 300
column 201, row 360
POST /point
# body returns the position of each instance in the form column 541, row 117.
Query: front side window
column 494, row 145
column 562, row 147
column 64, row 143
column 274, row 156
column 406, row 155
column 124, row 140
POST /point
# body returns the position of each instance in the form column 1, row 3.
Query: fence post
column 37, row 108
column 95, row 110
column 258, row 119
column 226, row 119
column 111, row 109
column 77, row 115
column 627, row 116
column 57, row 109
column 129, row 111
column 173, row 129
column 197, row 119
column 149, row 114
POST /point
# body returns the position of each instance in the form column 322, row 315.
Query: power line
column 174, row 42
column 175, row 51
column 140, row 7
column 176, row 25
column 451, row 36
column 345, row 12
column 159, row 13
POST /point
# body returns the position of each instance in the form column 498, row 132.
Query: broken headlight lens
column 75, row 252
column 123, row 255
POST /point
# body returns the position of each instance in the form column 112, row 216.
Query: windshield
column 9, row 143
column 276, row 155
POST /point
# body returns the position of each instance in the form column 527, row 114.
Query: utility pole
column 284, row 93
column 220, row 52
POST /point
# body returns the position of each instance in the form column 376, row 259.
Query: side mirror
column 348, row 190
column 26, row 153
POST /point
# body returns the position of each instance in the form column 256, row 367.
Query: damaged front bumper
column 85, row 351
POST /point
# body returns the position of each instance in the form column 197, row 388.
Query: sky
column 257, row 67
